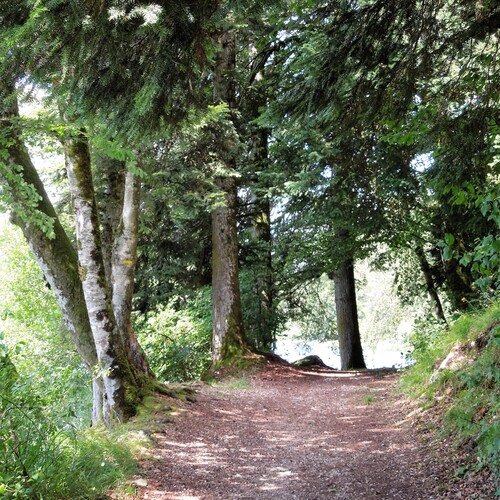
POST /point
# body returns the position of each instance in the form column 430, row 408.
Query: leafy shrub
column 177, row 339
column 484, row 258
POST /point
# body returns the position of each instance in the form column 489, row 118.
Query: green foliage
column 468, row 393
column 149, row 57
column 39, row 458
column 39, row 343
column 24, row 203
column 177, row 338
column 45, row 449
column 31, row 445
column 260, row 318
column 483, row 258
column 316, row 315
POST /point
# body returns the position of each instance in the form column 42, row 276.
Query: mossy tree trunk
column 124, row 258
column 54, row 252
column 110, row 202
column 119, row 209
column 122, row 382
column 351, row 352
column 228, row 338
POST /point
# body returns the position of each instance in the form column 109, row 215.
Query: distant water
column 381, row 357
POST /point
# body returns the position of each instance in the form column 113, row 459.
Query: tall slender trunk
column 264, row 325
column 351, row 352
column 228, row 336
column 119, row 382
column 430, row 286
column 264, row 275
column 123, row 270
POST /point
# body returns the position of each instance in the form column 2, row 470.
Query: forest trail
column 290, row 435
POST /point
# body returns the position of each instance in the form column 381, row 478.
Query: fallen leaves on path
column 290, row 435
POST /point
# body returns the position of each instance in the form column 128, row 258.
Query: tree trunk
column 111, row 207
column 429, row 282
column 228, row 336
column 121, row 391
column 123, row 270
column 458, row 285
column 264, row 326
column 119, row 210
column 264, row 275
column 351, row 353
column 228, row 333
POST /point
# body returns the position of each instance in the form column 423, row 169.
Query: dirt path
column 290, row 435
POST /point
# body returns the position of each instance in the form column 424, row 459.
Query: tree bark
column 123, row 270
column 228, row 338
column 120, row 386
column 111, row 207
column 119, row 211
column 351, row 352
column 56, row 256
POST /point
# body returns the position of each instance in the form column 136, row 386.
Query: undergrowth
column 466, row 393
column 45, row 457
column 177, row 340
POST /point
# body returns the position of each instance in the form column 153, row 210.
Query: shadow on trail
column 293, row 434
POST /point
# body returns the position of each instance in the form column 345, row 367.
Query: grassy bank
column 456, row 377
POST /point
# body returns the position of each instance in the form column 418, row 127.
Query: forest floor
column 284, row 433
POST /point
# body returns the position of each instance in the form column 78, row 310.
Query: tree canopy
column 250, row 148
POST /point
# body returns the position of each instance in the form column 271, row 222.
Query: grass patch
column 234, row 384
column 83, row 465
column 368, row 399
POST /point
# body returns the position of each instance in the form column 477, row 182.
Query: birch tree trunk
column 228, row 339
column 351, row 353
column 120, row 385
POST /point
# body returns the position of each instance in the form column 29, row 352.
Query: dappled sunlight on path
column 291, row 435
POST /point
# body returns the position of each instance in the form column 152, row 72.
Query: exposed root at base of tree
column 176, row 391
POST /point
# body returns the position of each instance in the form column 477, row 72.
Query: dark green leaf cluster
column 136, row 65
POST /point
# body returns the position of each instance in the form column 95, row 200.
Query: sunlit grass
column 466, row 394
